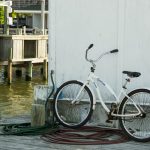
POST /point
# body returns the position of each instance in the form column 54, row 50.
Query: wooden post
column 9, row 71
column 29, row 71
column 19, row 31
column 6, row 26
column 24, row 30
column 45, row 69
column 10, row 67
column 37, row 115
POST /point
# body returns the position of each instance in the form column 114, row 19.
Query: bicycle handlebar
column 90, row 46
column 92, row 61
column 114, row 51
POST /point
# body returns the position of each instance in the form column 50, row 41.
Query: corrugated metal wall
column 109, row 24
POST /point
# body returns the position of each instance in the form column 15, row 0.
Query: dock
column 11, row 142
column 23, row 49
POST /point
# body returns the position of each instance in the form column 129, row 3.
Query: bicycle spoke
column 136, row 127
column 72, row 112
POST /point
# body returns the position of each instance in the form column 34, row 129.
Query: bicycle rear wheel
column 69, row 111
column 136, row 127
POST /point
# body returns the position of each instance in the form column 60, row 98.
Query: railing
column 19, row 4
column 24, row 31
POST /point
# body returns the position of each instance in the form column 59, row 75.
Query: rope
column 85, row 136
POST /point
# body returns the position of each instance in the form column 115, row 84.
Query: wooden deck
column 18, row 62
column 20, row 49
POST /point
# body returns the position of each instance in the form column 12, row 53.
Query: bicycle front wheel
column 73, row 104
column 136, row 127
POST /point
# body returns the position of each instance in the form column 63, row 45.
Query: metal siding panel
column 136, row 40
column 78, row 24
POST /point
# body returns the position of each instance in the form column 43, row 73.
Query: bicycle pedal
column 109, row 121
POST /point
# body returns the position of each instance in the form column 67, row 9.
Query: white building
column 31, row 10
column 109, row 24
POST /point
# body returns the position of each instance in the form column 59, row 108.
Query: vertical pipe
column 52, row 40
column 42, row 15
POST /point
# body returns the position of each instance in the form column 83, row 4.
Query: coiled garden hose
column 86, row 135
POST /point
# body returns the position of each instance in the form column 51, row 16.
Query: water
column 16, row 99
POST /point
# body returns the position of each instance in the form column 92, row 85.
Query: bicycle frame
column 94, row 79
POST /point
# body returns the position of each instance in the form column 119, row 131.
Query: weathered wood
column 17, row 49
column 38, row 115
column 5, row 46
column 24, row 30
column 41, row 46
column 24, row 48
column 29, row 71
column 6, row 26
column 45, row 74
column 21, row 61
column 9, row 72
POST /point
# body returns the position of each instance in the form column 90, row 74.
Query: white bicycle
column 133, row 111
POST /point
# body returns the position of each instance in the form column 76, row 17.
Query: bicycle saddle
column 132, row 74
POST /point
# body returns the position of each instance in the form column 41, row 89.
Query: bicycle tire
column 137, row 127
column 73, row 115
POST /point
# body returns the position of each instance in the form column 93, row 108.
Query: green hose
column 26, row 129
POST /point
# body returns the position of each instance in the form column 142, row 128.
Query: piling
column 10, row 67
column 9, row 71
column 45, row 66
column 29, row 71
column 25, row 51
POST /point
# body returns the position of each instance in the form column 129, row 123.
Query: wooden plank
column 42, row 48
column 38, row 115
column 29, row 71
column 5, row 45
column 45, row 70
column 21, row 61
column 9, row 71
column 30, row 37
column 34, row 60
column 17, row 49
